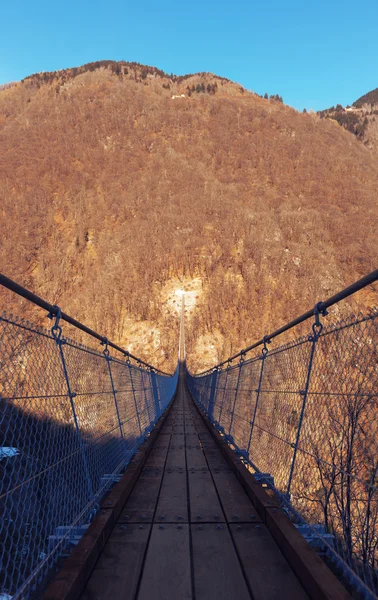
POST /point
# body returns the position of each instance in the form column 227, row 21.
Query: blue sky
column 312, row 54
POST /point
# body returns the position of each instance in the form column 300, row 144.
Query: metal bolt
column 238, row 527
column 179, row 526
column 127, row 517
column 180, row 518
column 162, row 517
column 251, row 516
column 161, row 526
column 257, row 527
column 219, row 527
column 199, row 527
column 141, row 527
column 199, row 517
column 216, row 516
column 235, row 517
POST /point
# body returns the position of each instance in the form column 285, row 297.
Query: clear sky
column 314, row 54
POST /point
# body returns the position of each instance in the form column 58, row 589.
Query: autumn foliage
column 110, row 188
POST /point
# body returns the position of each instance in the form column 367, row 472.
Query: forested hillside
column 121, row 184
column 360, row 119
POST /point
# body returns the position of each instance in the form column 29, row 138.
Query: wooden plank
column 205, row 436
column 268, row 573
column 235, row 502
column 215, row 459
column 167, row 430
column 167, row 571
column 195, row 457
column 319, row 582
column 176, row 455
column 204, row 503
column 262, row 498
column 152, row 471
column 177, row 439
column 162, row 443
column 157, row 457
column 140, row 507
column 173, row 499
column 117, row 572
column 209, row 445
column 217, row 571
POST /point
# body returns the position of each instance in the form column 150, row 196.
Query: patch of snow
column 5, row 597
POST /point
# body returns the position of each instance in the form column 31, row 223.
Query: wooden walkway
column 188, row 529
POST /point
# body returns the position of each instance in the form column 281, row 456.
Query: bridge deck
column 188, row 530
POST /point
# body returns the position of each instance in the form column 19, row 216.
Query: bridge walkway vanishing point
column 188, row 529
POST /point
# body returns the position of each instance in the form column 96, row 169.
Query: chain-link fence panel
column 71, row 418
column 305, row 415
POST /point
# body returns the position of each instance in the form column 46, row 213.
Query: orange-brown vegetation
column 111, row 189
column 360, row 119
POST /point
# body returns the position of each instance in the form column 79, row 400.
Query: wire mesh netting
column 71, row 419
column 306, row 414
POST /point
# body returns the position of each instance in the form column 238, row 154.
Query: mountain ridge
column 360, row 119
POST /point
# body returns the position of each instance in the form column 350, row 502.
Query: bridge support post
column 56, row 331
column 236, row 392
column 142, row 373
column 224, row 393
column 213, row 390
column 134, row 396
column 316, row 331
column 155, row 393
column 108, row 359
column 258, row 391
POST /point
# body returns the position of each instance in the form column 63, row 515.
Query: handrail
column 54, row 310
column 319, row 308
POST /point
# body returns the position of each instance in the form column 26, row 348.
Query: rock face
column 114, row 195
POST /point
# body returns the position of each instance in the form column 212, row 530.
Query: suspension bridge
column 256, row 479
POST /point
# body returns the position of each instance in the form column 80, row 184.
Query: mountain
column 121, row 184
column 4, row 86
column 360, row 119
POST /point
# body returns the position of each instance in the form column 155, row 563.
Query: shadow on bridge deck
column 188, row 529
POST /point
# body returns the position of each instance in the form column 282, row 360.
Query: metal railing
column 304, row 416
column 71, row 419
